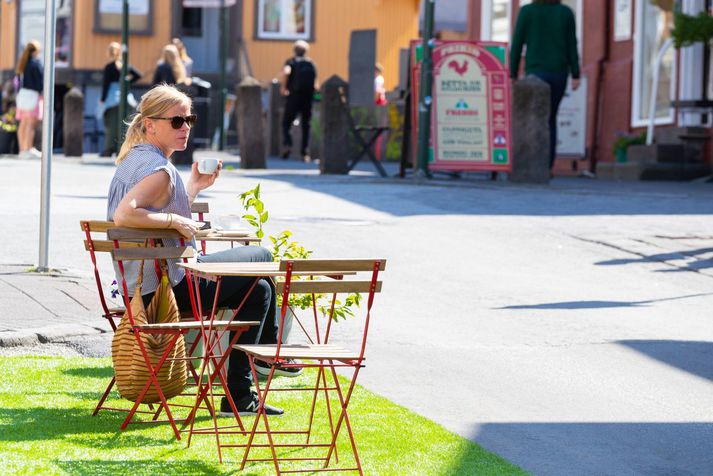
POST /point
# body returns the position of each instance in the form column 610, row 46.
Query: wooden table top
column 250, row 269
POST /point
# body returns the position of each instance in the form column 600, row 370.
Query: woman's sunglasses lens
column 177, row 121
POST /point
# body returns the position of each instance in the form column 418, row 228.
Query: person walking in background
column 379, row 87
column 111, row 96
column 28, row 101
column 298, row 81
column 170, row 69
column 183, row 55
column 547, row 28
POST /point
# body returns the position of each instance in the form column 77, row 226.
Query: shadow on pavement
column 573, row 197
column 698, row 264
column 607, row 448
column 694, row 357
column 599, row 304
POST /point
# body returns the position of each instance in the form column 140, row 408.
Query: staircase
column 678, row 153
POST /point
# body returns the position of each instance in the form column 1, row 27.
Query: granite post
column 73, row 123
column 274, row 116
column 250, row 128
column 334, row 149
column 531, row 135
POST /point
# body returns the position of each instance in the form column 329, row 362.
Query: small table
column 215, row 272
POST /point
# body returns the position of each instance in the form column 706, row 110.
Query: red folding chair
column 177, row 329
column 92, row 230
column 325, row 355
column 112, row 314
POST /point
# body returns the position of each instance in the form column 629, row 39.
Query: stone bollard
column 250, row 133
column 334, row 150
column 274, row 118
column 531, row 133
column 73, row 123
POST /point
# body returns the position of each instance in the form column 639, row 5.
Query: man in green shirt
column 548, row 30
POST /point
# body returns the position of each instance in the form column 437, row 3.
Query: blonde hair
column 31, row 47
column 157, row 102
column 115, row 53
column 182, row 52
column 172, row 58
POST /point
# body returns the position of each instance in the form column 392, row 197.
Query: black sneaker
column 285, row 153
column 263, row 368
column 247, row 406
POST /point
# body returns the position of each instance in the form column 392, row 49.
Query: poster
column 470, row 116
column 622, row 20
column 571, row 122
column 471, row 125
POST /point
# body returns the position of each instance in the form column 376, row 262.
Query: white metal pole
column 47, row 129
column 654, row 89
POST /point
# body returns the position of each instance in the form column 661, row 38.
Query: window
column 192, row 22
column 32, row 27
column 107, row 16
column 495, row 21
column 284, row 19
column 653, row 28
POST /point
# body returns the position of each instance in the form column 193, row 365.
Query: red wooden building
column 618, row 42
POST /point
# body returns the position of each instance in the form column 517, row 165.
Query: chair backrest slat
column 101, row 246
column 99, row 226
column 329, row 287
column 142, row 233
column 134, row 254
column 345, row 265
column 200, row 207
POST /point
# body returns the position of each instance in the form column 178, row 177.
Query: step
column 669, row 171
column 659, row 153
column 672, row 135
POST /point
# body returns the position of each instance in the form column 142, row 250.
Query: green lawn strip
column 46, row 427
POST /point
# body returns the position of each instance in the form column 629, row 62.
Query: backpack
column 302, row 76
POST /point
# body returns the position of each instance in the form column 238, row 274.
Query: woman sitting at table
column 147, row 192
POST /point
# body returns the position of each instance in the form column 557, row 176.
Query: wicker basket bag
column 130, row 367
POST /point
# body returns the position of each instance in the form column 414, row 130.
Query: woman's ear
column 148, row 126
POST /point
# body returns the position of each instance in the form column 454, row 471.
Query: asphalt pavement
column 567, row 327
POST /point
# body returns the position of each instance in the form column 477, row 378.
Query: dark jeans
column 558, row 84
column 297, row 103
column 260, row 306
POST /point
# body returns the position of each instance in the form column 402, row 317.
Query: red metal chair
column 177, row 329
column 113, row 314
column 325, row 355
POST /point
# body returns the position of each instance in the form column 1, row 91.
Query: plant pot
column 620, row 155
column 225, row 339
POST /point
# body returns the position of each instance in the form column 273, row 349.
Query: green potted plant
column 284, row 247
column 622, row 143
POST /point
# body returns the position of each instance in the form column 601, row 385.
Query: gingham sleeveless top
column 144, row 160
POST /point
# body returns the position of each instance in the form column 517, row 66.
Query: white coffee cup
column 230, row 222
column 207, row 166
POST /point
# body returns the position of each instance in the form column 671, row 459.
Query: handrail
column 654, row 89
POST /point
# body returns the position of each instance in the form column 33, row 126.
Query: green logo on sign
column 500, row 156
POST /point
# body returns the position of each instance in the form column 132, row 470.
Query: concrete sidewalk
column 47, row 308
column 572, row 319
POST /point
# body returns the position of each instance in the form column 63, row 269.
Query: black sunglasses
column 177, row 121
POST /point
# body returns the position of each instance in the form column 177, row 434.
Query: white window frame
column 486, row 20
column 636, row 99
column 260, row 34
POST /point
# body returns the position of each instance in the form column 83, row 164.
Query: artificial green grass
column 46, row 427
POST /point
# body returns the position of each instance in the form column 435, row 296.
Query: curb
column 46, row 334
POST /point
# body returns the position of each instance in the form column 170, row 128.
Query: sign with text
column 470, row 124
column 572, row 122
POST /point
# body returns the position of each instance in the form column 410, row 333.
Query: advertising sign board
column 470, row 119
